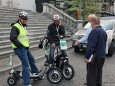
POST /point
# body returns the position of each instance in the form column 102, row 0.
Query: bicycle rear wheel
column 54, row 75
column 68, row 72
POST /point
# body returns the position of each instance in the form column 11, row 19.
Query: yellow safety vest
column 22, row 37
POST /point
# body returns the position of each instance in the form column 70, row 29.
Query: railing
column 50, row 9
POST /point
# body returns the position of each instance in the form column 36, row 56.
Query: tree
column 71, row 7
column 90, row 7
column 86, row 7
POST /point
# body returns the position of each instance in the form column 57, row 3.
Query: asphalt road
column 76, row 60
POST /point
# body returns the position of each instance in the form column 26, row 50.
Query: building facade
column 36, row 5
column 20, row 4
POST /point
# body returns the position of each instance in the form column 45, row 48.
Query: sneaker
column 28, row 85
column 38, row 71
column 37, row 75
column 66, row 58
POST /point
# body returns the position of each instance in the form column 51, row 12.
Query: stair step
column 4, row 37
column 7, row 31
column 28, row 29
column 6, row 25
column 7, row 41
column 29, row 22
column 8, row 47
column 6, row 53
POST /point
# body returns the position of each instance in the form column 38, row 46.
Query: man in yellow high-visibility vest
column 20, row 44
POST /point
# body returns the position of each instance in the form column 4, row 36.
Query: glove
column 40, row 45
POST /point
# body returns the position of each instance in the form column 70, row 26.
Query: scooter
column 16, row 75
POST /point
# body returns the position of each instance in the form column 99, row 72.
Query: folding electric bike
column 61, row 60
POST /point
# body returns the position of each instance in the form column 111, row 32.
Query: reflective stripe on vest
column 22, row 37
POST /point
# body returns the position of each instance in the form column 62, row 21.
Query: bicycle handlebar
column 62, row 36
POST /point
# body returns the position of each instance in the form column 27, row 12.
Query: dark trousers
column 94, row 72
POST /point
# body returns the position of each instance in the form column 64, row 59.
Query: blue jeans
column 51, row 55
column 27, row 59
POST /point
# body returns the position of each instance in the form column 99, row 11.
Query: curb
column 19, row 65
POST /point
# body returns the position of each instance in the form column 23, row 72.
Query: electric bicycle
column 62, row 60
column 54, row 74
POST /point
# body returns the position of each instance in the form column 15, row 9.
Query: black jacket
column 14, row 34
column 97, row 43
column 53, row 32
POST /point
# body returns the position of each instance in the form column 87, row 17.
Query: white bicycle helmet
column 23, row 14
column 56, row 17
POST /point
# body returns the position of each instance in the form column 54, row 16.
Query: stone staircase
column 37, row 26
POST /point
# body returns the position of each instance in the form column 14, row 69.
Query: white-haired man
column 84, row 39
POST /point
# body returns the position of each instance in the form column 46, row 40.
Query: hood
column 109, row 34
column 14, row 23
column 80, row 32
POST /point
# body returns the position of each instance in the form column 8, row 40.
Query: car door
column 114, row 31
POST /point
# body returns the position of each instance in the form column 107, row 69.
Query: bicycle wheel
column 68, row 72
column 54, row 75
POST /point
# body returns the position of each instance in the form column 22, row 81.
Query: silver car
column 109, row 23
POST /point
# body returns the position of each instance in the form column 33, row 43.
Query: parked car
column 105, row 13
column 109, row 23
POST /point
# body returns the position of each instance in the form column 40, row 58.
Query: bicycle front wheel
column 54, row 75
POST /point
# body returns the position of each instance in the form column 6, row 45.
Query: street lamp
column 80, row 8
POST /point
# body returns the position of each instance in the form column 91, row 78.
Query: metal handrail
column 48, row 8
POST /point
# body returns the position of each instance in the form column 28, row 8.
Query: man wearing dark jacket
column 20, row 44
column 55, row 29
column 96, row 47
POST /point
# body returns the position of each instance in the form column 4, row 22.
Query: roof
column 105, row 13
column 107, row 18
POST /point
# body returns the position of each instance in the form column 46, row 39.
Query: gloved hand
column 40, row 45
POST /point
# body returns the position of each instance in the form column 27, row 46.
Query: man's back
column 97, row 42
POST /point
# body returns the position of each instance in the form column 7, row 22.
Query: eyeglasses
column 24, row 18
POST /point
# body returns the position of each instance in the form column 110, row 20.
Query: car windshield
column 107, row 23
column 88, row 25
